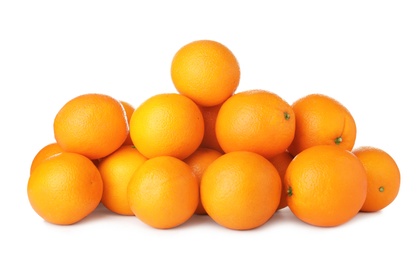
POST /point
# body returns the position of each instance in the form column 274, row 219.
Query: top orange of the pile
column 205, row 71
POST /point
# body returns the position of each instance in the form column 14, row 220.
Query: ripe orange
column 281, row 162
column 94, row 125
column 45, row 152
column 65, row 188
column 116, row 170
column 205, row 71
column 326, row 185
column 163, row 192
column 383, row 177
column 320, row 119
column 210, row 117
column 167, row 124
column 129, row 109
column 240, row 190
column 199, row 161
column 257, row 121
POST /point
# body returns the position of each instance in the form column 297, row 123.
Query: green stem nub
column 289, row 191
column 287, row 116
column 381, row 189
column 338, row 140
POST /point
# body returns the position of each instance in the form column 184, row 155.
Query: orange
column 129, row 109
column 383, row 177
column 65, row 188
column 94, row 125
column 163, row 192
column 210, row 117
column 326, row 185
column 205, row 71
column 257, row 121
column 199, row 161
column 281, row 162
column 116, row 170
column 167, row 124
column 321, row 119
column 240, row 190
column 45, row 152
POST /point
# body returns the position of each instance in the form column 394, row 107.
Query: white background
column 365, row 54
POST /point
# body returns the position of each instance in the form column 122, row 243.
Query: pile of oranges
column 208, row 149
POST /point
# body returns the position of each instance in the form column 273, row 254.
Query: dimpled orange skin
column 129, row 109
column 240, row 190
column 326, row 185
column 116, row 170
column 45, row 152
column 199, row 162
column 383, row 177
column 65, row 188
column 206, row 71
column 257, row 121
column 281, row 162
column 210, row 117
column 321, row 119
column 94, row 125
column 167, row 124
column 163, row 192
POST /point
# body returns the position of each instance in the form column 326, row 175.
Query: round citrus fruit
column 257, row 121
column 326, row 185
column 240, row 190
column 167, row 124
column 116, row 170
column 199, row 161
column 205, row 71
column 320, row 119
column 163, row 192
column 94, row 125
column 383, row 176
column 65, row 188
